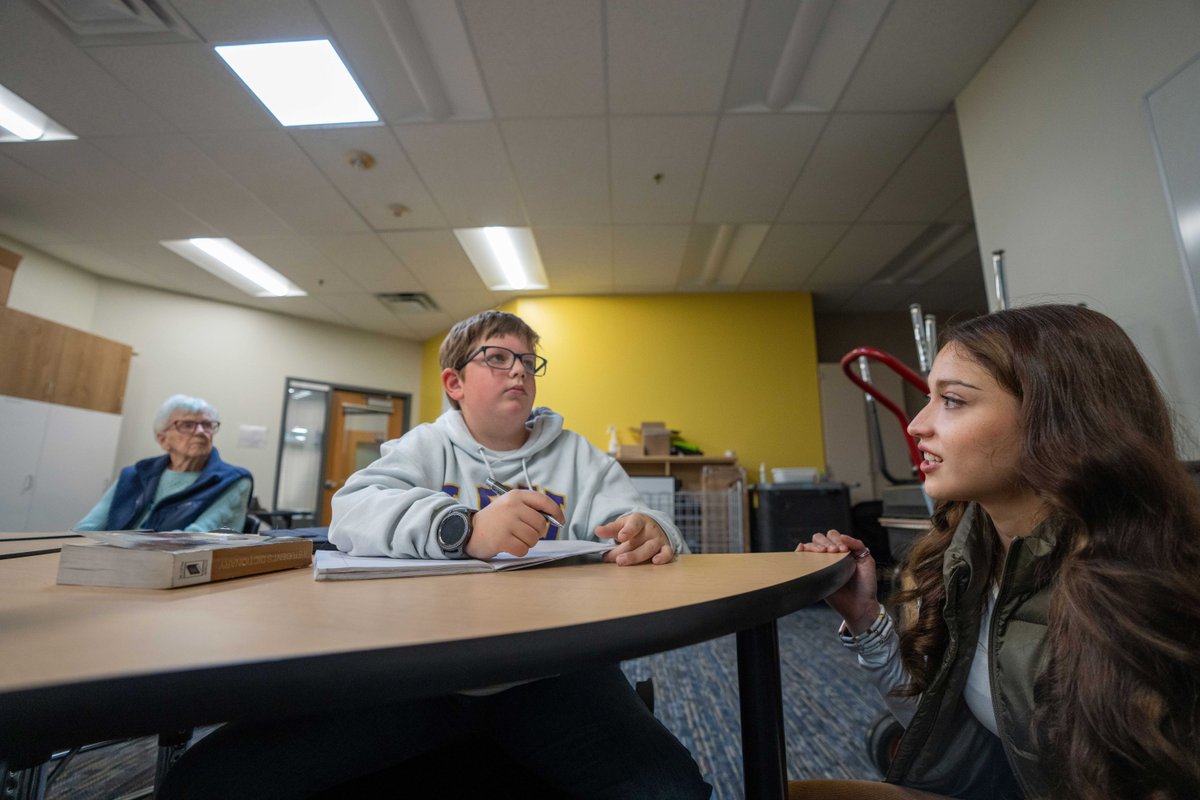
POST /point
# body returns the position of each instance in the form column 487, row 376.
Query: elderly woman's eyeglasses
column 189, row 426
column 498, row 357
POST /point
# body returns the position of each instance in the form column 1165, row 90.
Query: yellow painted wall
column 729, row 371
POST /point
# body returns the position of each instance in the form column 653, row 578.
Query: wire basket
column 710, row 521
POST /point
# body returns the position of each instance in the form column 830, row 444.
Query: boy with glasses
column 428, row 496
column 436, row 493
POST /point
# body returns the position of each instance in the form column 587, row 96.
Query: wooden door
column 358, row 424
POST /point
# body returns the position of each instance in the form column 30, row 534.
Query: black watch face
column 452, row 531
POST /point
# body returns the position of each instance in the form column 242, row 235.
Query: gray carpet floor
column 827, row 705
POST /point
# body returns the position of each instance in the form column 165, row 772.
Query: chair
column 883, row 738
column 855, row 790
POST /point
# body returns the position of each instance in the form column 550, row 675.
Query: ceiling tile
column 180, row 170
column 465, row 167
column 844, row 34
column 274, row 169
column 35, row 209
column 373, row 56
column 861, row 252
column 790, row 253
column 373, row 192
column 170, row 270
column 367, row 261
column 930, row 181
column 669, row 56
column 302, row 263
column 675, row 148
column 853, row 159
column 435, row 259
column 539, row 57
column 578, row 259
column 412, row 59
column 188, row 84
column 460, row 304
column 106, row 200
column 646, row 258
column 366, row 312
column 926, row 51
column 236, row 21
column 561, row 167
column 754, row 163
column 593, row 99
column 39, row 63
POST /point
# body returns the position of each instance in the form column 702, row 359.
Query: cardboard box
column 656, row 439
column 630, row 451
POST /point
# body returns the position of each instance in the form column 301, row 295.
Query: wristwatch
column 454, row 531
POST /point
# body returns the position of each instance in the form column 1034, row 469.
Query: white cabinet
column 55, row 462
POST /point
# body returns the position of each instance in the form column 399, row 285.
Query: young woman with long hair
column 1049, row 622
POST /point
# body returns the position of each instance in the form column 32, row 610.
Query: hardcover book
column 150, row 560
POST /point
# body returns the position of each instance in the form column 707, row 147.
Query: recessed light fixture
column 232, row 264
column 506, row 259
column 23, row 122
column 301, row 83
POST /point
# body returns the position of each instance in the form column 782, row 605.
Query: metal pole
column 1001, row 285
column 918, row 326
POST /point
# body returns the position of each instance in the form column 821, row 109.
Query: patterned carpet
column 827, row 705
column 827, row 708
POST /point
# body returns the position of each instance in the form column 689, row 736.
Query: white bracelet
column 880, row 629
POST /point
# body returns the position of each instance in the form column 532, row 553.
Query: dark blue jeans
column 585, row 734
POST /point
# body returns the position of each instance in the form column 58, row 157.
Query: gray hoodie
column 393, row 507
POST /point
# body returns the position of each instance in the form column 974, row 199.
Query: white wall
column 51, row 289
column 236, row 358
column 1063, row 175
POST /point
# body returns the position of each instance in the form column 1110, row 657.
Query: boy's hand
column 511, row 523
column 639, row 539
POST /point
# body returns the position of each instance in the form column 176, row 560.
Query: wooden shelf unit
column 688, row 469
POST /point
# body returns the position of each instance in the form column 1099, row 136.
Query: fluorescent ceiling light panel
column 23, row 122
column 301, row 83
column 234, row 265
column 506, row 259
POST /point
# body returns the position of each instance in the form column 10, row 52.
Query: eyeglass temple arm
column 908, row 375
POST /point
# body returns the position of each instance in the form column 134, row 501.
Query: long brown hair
column 1119, row 696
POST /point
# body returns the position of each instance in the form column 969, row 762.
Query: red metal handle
column 898, row 367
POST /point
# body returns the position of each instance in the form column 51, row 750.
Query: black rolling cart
column 785, row 514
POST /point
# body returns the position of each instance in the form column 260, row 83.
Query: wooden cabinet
column 61, row 394
column 42, row 360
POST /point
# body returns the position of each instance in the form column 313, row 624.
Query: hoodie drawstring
column 487, row 462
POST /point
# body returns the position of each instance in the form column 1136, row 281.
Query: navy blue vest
column 137, row 484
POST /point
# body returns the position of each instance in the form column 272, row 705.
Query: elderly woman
column 190, row 488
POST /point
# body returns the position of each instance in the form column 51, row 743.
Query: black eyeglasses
column 498, row 357
column 189, row 426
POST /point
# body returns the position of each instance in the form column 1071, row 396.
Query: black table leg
column 761, row 692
